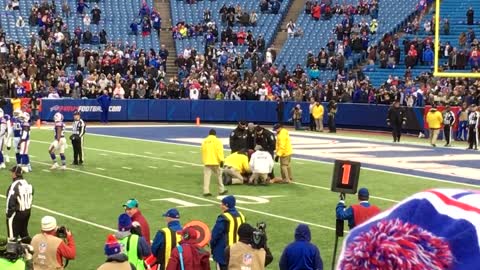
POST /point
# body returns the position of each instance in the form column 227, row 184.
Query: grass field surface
column 88, row 199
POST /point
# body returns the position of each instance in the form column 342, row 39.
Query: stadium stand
column 317, row 33
column 267, row 23
column 116, row 17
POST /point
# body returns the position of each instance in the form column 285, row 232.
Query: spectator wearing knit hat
column 136, row 248
column 50, row 250
column 116, row 260
column 434, row 229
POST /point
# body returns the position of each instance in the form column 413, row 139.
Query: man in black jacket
column 19, row 204
column 239, row 137
column 396, row 118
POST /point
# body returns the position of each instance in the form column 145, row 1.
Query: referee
column 78, row 130
column 19, row 204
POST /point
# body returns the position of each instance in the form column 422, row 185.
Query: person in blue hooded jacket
column 301, row 254
column 428, row 56
column 104, row 101
column 225, row 231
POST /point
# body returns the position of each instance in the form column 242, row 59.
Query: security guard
column 78, row 131
column 357, row 213
column 473, row 125
column 10, row 261
column 448, row 122
column 239, row 137
column 236, row 165
column 395, row 119
column 225, row 231
column 266, row 139
column 167, row 238
column 19, row 205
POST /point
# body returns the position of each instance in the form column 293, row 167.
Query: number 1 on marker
column 346, row 174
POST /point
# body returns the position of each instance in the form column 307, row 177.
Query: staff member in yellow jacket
column 317, row 113
column 212, row 157
column 283, row 152
column 236, row 165
column 16, row 103
column 434, row 120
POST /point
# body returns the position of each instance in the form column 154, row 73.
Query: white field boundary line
column 114, row 179
column 200, row 165
column 70, row 217
column 297, row 158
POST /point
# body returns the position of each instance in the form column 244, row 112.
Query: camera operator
column 245, row 254
column 52, row 245
column 19, row 204
column 12, row 255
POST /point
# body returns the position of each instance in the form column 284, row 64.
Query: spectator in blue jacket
column 104, row 101
column 220, row 236
column 314, row 73
column 81, row 7
column 428, row 56
column 301, row 254
column 134, row 28
column 172, row 217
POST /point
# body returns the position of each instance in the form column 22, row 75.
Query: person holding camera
column 225, row 231
column 19, row 205
column 357, row 213
column 245, row 254
column 13, row 255
column 116, row 260
column 135, row 246
column 78, row 131
column 301, row 254
column 52, row 245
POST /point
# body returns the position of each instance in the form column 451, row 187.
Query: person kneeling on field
column 261, row 164
column 236, row 165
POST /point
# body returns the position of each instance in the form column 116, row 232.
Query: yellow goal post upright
column 436, row 61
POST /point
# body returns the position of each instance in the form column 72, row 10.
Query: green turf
column 96, row 196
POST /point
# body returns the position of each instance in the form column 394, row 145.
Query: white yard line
column 177, row 166
column 295, row 158
column 200, row 165
column 126, row 168
column 101, row 169
column 114, row 179
column 71, row 217
column 45, row 170
column 152, row 167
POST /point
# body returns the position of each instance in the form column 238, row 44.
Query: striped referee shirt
column 78, row 127
column 19, row 197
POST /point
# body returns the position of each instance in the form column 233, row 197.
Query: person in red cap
column 116, row 259
column 188, row 255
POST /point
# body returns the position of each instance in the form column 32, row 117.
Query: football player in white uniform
column 17, row 120
column 3, row 131
column 24, row 143
column 60, row 143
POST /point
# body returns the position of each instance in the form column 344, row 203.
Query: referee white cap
column 49, row 223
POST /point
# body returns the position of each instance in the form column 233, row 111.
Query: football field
column 161, row 167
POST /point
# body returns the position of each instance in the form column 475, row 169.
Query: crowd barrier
column 348, row 115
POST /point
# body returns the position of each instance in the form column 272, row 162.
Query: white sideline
column 200, row 165
column 190, row 196
column 70, row 217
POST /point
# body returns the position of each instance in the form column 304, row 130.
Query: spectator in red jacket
column 194, row 257
column 131, row 208
column 316, row 12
